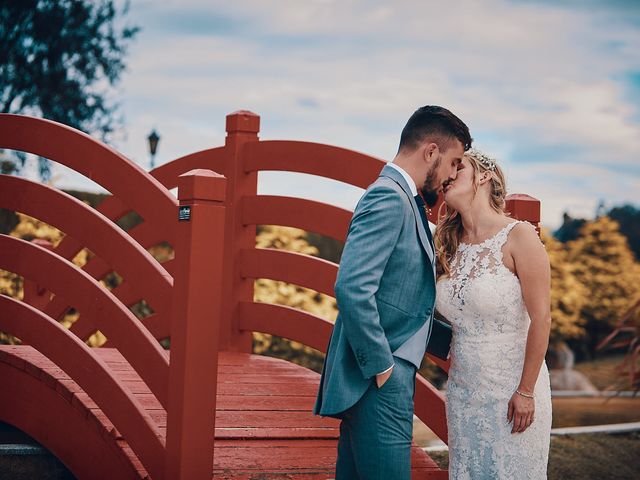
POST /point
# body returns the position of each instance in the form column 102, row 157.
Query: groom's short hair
column 434, row 124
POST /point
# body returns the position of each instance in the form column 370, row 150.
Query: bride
column 494, row 287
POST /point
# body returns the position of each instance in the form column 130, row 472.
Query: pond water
column 574, row 412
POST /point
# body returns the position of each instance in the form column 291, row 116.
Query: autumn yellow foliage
column 568, row 295
column 604, row 264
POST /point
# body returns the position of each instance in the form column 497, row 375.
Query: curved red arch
column 285, row 322
column 146, row 236
column 93, row 159
column 211, row 159
column 326, row 161
column 94, row 231
column 308, row 215
column 429, row 406
column 44, row 414
column 304, row 270
column 91, row 373
column 116, row 321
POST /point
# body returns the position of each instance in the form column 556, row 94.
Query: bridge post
column 195, row 327
column 242, row 127
column 524, row 207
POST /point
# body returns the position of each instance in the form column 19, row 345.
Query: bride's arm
column 531, row 264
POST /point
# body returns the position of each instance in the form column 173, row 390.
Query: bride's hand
column 521, row 410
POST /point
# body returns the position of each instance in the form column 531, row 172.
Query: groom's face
column 442, row 170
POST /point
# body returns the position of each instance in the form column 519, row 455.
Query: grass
column 587, row 457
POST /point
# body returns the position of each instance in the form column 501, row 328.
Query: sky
column 550, row 89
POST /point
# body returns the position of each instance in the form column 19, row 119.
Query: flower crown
column 486, row 161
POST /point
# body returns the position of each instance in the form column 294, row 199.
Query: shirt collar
column 407, row 178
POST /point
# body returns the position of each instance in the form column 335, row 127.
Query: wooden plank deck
column 264, row 425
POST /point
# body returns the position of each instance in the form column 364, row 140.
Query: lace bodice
column 481, row 287
column 483, row 301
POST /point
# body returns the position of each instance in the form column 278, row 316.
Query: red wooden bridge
column 209, row 407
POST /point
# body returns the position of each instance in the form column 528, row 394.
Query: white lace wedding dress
column 483, row 300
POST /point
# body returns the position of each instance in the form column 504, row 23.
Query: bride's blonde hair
column 449, row 230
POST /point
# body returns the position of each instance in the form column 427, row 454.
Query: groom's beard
column 431, row 186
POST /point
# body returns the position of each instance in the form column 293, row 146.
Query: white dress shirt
column 407, row 178
column 412, row 187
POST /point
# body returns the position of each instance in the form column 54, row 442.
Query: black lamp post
column 153, row 138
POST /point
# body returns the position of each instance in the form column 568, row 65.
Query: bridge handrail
column 91, row 373
column 327, row 161
column 93, row 231
column 63, row 278
column 95, row 160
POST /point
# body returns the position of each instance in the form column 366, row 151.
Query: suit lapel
column 394, row 175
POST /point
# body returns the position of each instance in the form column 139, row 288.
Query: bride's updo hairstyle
column 449, row 230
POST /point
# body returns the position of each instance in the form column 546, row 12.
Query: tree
column 570, row 228
column 60, row 59
column 627, row 335
column 628, row 217
column 568, row 295
column 604, row 264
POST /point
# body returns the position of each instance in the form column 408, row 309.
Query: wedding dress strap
column 501, row 238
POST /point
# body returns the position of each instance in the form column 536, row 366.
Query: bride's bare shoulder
column 523, row 230
column 524, row 238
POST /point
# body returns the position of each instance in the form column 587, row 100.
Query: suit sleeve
column 373, row 234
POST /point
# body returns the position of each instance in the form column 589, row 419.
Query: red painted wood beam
column 326, row 161
column 43, row 413
column 300, row 269
column 429, row 407
column 91, row 373
column 285, row 322
column 211, row 159
column 242, row 130
column 120, row 325
column 94, row 231
column 95, row 160
column 195, row 324
column 308, row 215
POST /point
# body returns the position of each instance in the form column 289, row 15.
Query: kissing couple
column 486, row 273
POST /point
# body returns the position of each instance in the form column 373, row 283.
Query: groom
column 385, row 292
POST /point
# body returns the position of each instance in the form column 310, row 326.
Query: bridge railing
column 35, row 319
column 247, row 263
column 132, row 189
column 203, row 298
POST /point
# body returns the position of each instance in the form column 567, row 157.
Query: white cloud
column 525, row 77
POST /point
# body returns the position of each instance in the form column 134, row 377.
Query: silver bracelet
column 524, row 394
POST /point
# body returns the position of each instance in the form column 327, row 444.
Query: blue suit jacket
column 385, row 291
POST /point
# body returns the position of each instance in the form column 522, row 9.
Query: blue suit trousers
column 376, row 432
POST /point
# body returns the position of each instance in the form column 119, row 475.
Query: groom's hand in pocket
column 382, row 378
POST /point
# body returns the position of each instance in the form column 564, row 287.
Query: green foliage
column 570, row 228
column 628, row 217
column 60, row 59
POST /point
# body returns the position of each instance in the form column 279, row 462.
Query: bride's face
column 459, row 193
